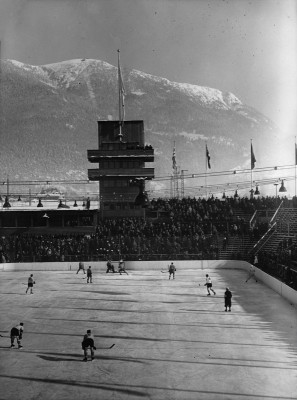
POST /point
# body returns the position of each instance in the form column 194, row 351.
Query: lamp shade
column 6, row 203
column 142, row 200
column 257, row 192
column 39, row 203
column 282, row 188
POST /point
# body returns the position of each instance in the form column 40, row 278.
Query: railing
column 263, row 240
column 276, row 212
column 95, row 174
column 253, row 218
column 95, row 155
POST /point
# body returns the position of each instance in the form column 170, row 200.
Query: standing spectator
column 17, row 333
column 89, row 275
column 81, row 266
column 172, row 270
column 224, row 243
column 208, row 285
column 30, row 284
column 88, row 343
column 228, row 296
column 256, row 261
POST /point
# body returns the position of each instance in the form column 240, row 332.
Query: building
column 121, row 174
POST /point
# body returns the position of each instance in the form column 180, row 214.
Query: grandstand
column 187, row 228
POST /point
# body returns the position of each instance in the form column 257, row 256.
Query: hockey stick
column 111, row 346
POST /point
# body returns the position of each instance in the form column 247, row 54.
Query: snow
column 138, row 92
column 38, row 70
column 207, row 95
column 67, row 71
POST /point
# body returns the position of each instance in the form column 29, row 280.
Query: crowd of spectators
column 188, row 228
column 281, row 264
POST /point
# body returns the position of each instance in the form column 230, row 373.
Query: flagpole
column 295, row 165
column 120, row 97
column 206, row 170
column 251, row 168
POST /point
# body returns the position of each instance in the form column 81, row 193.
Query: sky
column 247, row 47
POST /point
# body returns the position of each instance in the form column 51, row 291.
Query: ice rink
column 171, row 340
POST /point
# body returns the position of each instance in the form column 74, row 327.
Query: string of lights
column 159, row 178
column 211, row 187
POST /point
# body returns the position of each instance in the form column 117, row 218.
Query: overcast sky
column 247, row 47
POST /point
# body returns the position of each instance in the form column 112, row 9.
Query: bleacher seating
column 189, row 228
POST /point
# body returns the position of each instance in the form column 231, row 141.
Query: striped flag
column 208, row 158
column 253, row 158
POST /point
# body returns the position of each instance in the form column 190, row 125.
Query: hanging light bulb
column 75, row 204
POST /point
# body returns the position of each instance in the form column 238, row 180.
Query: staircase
column 287, row 221
column 286, row 227
column 238, row 244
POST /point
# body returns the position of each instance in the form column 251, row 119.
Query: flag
column 173, row 158
column 253, row 158
column 208, row 158
column 121, row 93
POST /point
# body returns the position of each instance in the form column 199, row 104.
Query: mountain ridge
column 50, row 112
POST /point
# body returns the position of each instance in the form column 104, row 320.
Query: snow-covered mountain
column 49, row 119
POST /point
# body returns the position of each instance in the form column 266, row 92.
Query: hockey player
column 81, row 266
column 88, row 343
column 31, row 282
column 208, row 285
column 109, row 267
column 17, row 333
column 89, row 275
column 122, row 267
column 171, row 270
